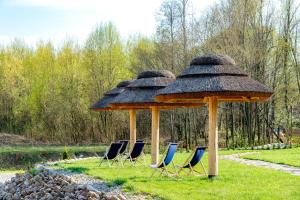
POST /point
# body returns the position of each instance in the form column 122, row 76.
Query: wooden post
column 212, row 138
column 155, row 136
column 132, row 127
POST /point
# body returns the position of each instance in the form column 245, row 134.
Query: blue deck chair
column 136, row 153
column 139, row 141
column 192, row 161
column 112, row 153
column 124, row 146
column 167, row 159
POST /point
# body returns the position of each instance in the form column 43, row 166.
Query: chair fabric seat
column 199, row 152
column 113, row 151
column 169, row 156
column 136, row 151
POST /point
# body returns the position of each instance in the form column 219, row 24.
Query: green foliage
column 46, row 92
column 34, row 171
column 66, row 154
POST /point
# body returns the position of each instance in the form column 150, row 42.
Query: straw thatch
column 103, row 103
column 212, row 59
column 214, row 75
column 156, row 73
column 141, row 92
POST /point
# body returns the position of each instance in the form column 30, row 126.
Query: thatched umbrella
column 141, row 93
column 103, row 105
column 213, row 79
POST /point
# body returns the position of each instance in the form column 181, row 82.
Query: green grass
column 235, row 181
column 24, row 157
column 280, row 156
column 4, row 171
column 40, row 149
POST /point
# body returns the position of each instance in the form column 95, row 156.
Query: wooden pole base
column 213, row 138
column 212, row 177
column 155, row 136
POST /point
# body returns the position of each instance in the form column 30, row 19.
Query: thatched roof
column 214, row 75
column 141, row 92
column 102, row 104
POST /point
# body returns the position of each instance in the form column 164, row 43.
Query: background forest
column 46, row 92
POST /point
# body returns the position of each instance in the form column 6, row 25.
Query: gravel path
column 6, row 176
column 285, row 168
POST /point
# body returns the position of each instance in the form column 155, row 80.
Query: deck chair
column 112, row 154
column 124, row 146
column 136, row 153
column 167, row 159
column 192, row 161
column 139, row 141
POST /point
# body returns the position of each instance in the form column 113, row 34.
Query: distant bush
column 66, row 154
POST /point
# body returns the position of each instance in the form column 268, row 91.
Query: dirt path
column 259, row 163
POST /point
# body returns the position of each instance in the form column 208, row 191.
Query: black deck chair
column 166, row 160
column 192, row 161
column 136, row 153
column 112, row 153
column 139, row 141
column 124, row 146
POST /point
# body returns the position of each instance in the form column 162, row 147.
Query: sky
column 59, row 20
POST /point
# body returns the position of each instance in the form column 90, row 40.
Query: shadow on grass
column 117, row 182
column 77, row 169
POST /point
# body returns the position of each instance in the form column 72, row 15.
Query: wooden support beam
column 212, row 138
column 186, row 100
column 155, row 136
column 132, row 117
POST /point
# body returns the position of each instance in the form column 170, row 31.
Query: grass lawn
column 37, row 149
column 235, row 181
column 280, row 156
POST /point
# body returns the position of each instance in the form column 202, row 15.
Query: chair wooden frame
column 191, row 169
column 132, row 161
column 116, row 159
column 164, row 169
column 136, row 160
column 126, row 148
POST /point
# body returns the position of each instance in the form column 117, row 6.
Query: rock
column 26, row 183
column 121, row 197
column 111, row 197
column 68, row 188
column 49, row 196
column 90, row 188
column 81, row 197
column 93, row 195
column 81, row 187
column 67, row 198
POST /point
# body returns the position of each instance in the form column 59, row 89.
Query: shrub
column 66, row 154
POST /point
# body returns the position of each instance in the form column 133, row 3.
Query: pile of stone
column 46, row 185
